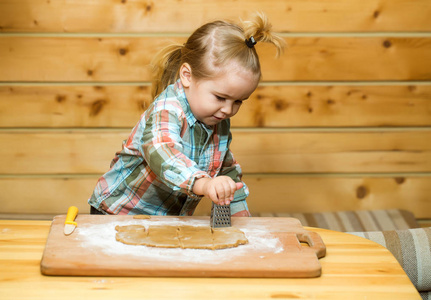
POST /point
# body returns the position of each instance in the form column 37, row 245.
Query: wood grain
column 280, row 105
column 90, row 152
column 355, row 266
column 360, row 151
column 254, row 259
column 75, row 79
column 293, row 193
column 111, row 59
column 185, row 16
column 72, row 106
column 51, row 195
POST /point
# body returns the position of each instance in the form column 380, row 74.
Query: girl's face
column 215, row 99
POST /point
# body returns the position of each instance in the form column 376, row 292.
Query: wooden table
column 354, row 268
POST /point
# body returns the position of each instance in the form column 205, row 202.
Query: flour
column 101, row 237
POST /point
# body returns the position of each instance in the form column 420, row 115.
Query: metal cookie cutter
column 220, row 216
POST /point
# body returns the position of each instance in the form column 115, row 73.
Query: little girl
column 179, row 150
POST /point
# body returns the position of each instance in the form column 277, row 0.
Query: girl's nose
column 227, row 108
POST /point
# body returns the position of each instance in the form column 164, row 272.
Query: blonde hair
column 211, row 47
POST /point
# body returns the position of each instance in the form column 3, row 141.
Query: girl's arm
column 163, row 151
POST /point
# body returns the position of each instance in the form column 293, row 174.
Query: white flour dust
column 101, row 237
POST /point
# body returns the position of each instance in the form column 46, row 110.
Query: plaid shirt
column 166, row 152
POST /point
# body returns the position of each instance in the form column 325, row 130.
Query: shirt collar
column 181, row 96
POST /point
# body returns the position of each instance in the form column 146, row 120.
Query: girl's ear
column 185, row 74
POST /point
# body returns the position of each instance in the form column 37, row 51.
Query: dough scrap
column 141, row 217
column 183, row 236
column 130, row 228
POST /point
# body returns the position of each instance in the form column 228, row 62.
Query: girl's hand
column 220, row 189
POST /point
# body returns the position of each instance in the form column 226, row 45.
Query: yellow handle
column 71, row 215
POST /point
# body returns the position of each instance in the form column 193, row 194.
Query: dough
column 184, row 236
column 141, row 217
column 228, row 236
column 130, row 234
column 196, row 237
column 162, row 236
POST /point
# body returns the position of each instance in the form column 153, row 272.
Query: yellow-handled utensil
column 70, row 224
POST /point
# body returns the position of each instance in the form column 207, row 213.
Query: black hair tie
column 250, row 42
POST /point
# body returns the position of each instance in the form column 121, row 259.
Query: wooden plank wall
column 342, row 121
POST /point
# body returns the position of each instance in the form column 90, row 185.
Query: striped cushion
column 361, row 220
column 395, row 229
column 412, row 248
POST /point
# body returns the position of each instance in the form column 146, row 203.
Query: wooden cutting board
column 278, row 247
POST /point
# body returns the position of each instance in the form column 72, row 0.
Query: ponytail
column 165, row 67
column 260, row 29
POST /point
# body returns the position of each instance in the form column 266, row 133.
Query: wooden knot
column 361, row 192
column 400, row 180
column 387, row 44
column 123, row 51
column 96, row 107
column 280, row 105
column 60, row 98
